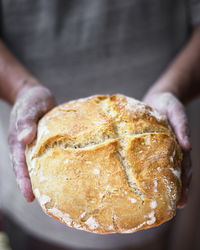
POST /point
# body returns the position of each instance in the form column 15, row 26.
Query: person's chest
column 84, row 47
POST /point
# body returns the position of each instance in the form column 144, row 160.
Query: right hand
column 168, row 104
column 31, row 104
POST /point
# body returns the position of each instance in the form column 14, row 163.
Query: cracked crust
column 106, row 164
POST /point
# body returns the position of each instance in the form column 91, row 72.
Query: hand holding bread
column 169, row 105
column 31, row 104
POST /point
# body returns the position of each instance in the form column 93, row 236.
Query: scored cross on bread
column 106, row 164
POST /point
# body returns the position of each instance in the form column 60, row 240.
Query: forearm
column 182, row 77
column 13, row 76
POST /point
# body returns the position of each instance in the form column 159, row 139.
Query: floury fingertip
column 23, row 134
column 187, row 143
column 26, row 189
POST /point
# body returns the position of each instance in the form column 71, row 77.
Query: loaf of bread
column 106, row 164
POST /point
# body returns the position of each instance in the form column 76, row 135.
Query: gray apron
column 80, row 48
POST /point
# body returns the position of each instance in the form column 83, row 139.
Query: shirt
column 79, row 48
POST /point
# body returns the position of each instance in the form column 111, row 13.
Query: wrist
column 175, row 83
column 22, row 86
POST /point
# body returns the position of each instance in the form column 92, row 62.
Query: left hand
column 169, row 105
column 31, row 104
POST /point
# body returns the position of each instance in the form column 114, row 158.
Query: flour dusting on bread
column 106, row 164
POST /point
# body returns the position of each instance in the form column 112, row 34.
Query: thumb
column 26, row 133
column 169, row 105
column 178, row 119
column 27, row 111
column 25, row 120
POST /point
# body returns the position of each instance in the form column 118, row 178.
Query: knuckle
column 168, row 95
column 23, row 123
column 11, row 139
column 18, row 123
column 14, row 166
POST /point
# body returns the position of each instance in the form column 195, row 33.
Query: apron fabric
column 80, row 48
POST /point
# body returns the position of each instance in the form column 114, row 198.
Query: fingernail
column 23, row 134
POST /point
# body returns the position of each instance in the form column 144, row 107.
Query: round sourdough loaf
column 106, row 164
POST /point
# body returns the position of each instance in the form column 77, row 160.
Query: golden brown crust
column 105, row 165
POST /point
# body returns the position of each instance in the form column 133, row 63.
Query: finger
column 178, row 119
column 27, row 132
column 186, row 177
column 29, row 108
column 24, row 182
column 26, row 120
column 20, row 169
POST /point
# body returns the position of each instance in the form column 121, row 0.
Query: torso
column 81, row 48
